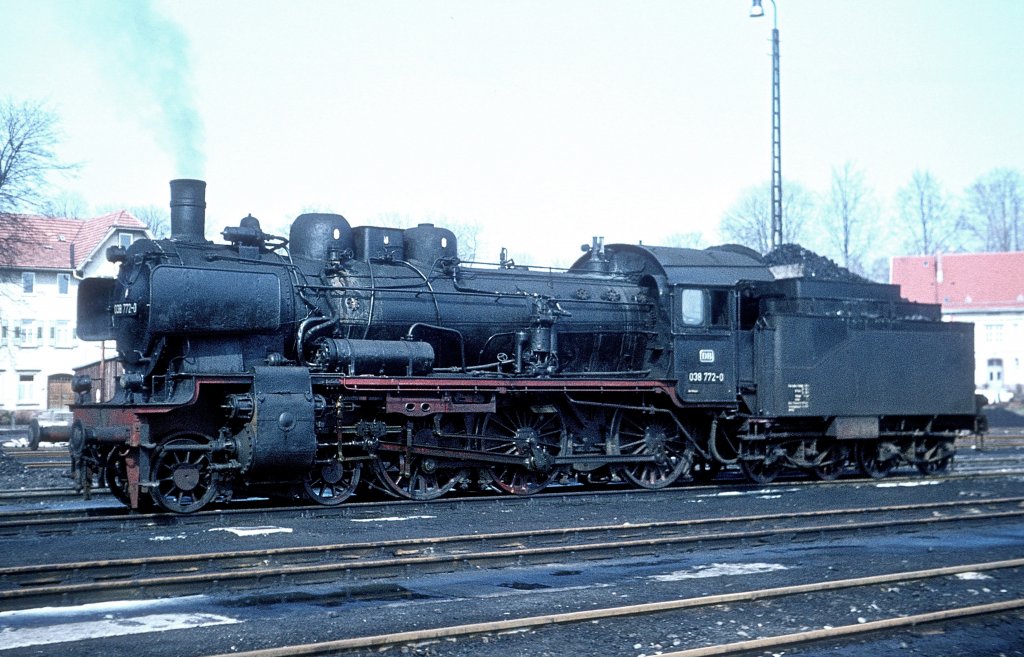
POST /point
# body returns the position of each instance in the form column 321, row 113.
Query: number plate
column 126, row 309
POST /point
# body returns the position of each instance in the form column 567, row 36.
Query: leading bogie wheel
column 185, row 480
column 331, row 483
column 115, row 474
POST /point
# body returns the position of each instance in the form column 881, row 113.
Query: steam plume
column 147, row 55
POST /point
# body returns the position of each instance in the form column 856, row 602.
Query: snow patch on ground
column 971, row 575
column 907, row 484
column 110, row 607
column 392, row 519
column 719, row 570
column 775, row 492
column 107, row 627
column 252, row 531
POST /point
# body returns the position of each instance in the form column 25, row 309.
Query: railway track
column 42, row 458
column 975, row 463
column 92, row 581
column 380, row 642
column 62, row 521
column 21, row 494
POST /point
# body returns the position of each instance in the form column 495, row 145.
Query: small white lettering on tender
column 799, row 396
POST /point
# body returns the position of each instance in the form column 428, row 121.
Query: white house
column 986, row 289
column 39, row 273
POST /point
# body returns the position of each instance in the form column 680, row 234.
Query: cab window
column 719, row 307
column 692, row 307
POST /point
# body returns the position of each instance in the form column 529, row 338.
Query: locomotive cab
column 703, row 329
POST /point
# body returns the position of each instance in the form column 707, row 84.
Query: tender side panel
column 818, row 366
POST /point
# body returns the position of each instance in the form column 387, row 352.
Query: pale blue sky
column 546, row 122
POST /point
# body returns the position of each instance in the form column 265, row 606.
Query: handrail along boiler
column 306, row 365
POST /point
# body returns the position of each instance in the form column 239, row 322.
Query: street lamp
column 756, row 11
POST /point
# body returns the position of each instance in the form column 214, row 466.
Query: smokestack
column 188, row 210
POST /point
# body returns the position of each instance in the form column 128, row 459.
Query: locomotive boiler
column 301, row 366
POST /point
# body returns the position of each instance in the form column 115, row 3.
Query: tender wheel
column 877, row 459
column 652, row 434
column 939, row 455
column 760, row 472
column 519, row 431
column 831, row 463
column 185, row 482
column 417, row 477
column 704, row 472
column 331, row 483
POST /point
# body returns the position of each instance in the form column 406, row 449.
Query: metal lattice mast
column 776, row 141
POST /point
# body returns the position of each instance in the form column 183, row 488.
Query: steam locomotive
column 303, row 366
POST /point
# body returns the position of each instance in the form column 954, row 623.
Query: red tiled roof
column 963, row 281
column 45, row 243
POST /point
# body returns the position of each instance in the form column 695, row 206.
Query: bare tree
column 64, row 205
column 925, row 214
column 849, row 214
column 749, row 220
column 995, row 210
column 467, row 236
column 157, row 218
column 691, row 240
column 28, row 135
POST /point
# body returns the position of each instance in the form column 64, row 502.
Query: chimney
column 188, row 210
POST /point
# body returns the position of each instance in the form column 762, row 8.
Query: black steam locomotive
column 299, row 366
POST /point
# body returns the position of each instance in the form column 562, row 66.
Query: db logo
column 707, row 355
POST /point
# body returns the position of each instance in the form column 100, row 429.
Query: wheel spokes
column 334, row 488
column 650, row 435
column 535, row 437
column 417, row 477
column 185, row 482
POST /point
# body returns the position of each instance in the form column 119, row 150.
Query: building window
column 63, row 283
column 124, row 240
column 60, row 334
column 29, row 333
column 28, row 282
column 26, row 388
column 994, row 333
column 3, row 332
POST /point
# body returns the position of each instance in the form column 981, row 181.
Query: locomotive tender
column 306, row 365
